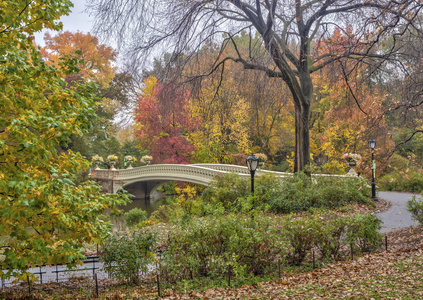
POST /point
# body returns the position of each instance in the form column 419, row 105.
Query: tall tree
column 404, row 107
column 96, row 62
column 287, row 29
column 164, row 122
column 241, row 110
column 44, row 216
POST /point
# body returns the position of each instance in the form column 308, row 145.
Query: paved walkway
column 397, row 216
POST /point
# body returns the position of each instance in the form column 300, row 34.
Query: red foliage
column 171, row 150
column 240, row 159
column 165, row 122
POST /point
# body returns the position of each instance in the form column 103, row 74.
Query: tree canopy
column 287, row 30
column 44, row 216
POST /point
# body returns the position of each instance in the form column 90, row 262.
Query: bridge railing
column 161, row 171
column 239, row 169
column 196, row 173
column 192, row 173
column 205, row 171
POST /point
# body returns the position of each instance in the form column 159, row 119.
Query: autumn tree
column 347, row 110
column 115, row 90
column 338, row 125
column 404, row 106
column 96, row 60
column 44, row 216
column 287, row 30
column 164, row 122
column 240, row 111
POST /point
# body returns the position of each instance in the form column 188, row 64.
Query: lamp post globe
column 372, row 145
column 252, row 162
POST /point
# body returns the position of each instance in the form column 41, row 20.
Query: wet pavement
column 397, row 216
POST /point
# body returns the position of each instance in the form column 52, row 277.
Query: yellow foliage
column 223, row 118
column 149, row 85
column 44, row 215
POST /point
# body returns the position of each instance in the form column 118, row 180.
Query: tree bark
column 301, row 88
column 302, row 138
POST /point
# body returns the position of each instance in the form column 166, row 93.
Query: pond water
column 157, row 199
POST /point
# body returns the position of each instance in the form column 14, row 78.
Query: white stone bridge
column 142, row 181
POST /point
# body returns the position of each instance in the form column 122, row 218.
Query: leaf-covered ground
column 393, row 274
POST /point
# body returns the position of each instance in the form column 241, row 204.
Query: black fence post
column 29, row 284
column 41, row 275
column 96, row 285
column 352, row 252
column 229, row 275
column 158, row 285
column 279, row 267
column 314, row 261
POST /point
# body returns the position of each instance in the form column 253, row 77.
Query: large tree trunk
column 302, row 139
column 301, row 88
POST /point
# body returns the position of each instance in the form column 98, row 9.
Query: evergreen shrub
column 125, row 256
column 135, row 216
column 210, row 246
column 402, row 181
column 299, row 193
column 363, row 232
column 415, row 207
column 215, row 245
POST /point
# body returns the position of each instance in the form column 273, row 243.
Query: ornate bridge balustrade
column 147, row 178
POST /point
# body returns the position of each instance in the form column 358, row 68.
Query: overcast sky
column 77, row 20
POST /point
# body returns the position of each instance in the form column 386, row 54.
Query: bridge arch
column 148, row 178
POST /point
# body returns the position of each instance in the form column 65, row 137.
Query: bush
column 213, row 245
column 125, row 256
column 407, row 181
column 231, row 193
column 169, row 212
column 363, row 232
column 226, row 190
column 210, row 246
column 299, row 193
column 301, row 234
column 330, row 235
column 415, row 207
column 135, row 216
column 334, row 192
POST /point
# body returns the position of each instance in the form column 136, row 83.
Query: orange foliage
column 347, row 110
column 98, row 58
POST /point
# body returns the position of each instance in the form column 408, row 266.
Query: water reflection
column 157, row 199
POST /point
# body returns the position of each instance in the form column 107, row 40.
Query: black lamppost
column 372, row 145
column 252, row 163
